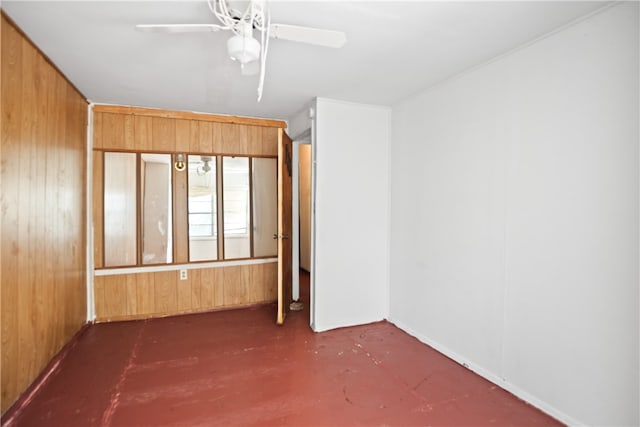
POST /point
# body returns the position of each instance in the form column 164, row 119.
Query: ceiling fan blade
column 327, row 38
column 250, row 68
column 178, row 28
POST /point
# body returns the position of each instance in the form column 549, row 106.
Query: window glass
column 265, row 206
column 120, row 224
column 202, row 207
column 235, row 179
column 157, row 233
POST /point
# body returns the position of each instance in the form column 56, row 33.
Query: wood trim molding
column 189, row 115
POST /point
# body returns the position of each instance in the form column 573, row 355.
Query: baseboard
column 490, row 376
column 339, row 325
column 27, row 395
column 146, row 316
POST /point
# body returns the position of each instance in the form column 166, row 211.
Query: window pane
column 235, row 192
column 203, row 224
column 120, row 209
column 265, row 207
column 157, row 232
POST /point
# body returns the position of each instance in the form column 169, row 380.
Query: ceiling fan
column 243, row 18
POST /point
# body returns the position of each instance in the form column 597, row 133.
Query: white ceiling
column 393, row 49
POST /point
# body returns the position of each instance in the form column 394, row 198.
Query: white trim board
column 177, row 267
column 89, row 264
column 295, row 221
column 295, row 213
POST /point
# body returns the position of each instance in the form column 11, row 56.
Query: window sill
column 176, row 267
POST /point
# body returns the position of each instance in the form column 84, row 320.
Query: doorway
column 302, row 227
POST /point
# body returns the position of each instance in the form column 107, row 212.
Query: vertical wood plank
column 56, row 163
column 183, row 291
column 269, row 141
column 236, row 285
column 97, row 131
column 217, row 145
column 206, row 288
column 98, row 208
column 164, row 134
column 128, row 132
column 183, row 135
column 217, row 288
column 194, row 136
column 180, row 216
column 196, row 289
column 145, row 293
column 131, row 284
column 113, row 136
column 254, row 140
column 270, row 281
column 256, row 283
column 43, row 132
column 98, row 294
column 165, row 292
column 142, row 133
column 76, row 280
column 231, row 143
column 205, row 137
column 115, row 296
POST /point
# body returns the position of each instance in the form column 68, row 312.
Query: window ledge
column 176, row 267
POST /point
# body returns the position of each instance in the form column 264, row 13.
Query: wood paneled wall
column 132, row 132
column 43, row 257
column 143, row 295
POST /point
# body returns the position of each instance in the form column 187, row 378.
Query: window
column 120, row 217
column 155, row 213
column 202, row 208
column 265, row 206
column 235, row 178
column 202, row 216
column 137, row 232
column 156, row 208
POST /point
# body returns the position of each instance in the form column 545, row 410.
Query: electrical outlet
column 183, row 274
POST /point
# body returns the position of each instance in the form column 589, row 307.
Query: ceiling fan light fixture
column 243, row 49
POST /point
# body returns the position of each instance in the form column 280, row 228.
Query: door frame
column 305, row 137
column 295, row 242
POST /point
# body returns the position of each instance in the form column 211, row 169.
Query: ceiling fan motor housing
column 243, row 48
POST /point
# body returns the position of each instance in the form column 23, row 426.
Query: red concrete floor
column 237, row 367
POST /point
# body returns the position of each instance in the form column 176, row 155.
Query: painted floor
column 237, row 367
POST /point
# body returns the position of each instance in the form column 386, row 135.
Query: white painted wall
column 300, row 122
column 352, row 213
column 514, row 219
